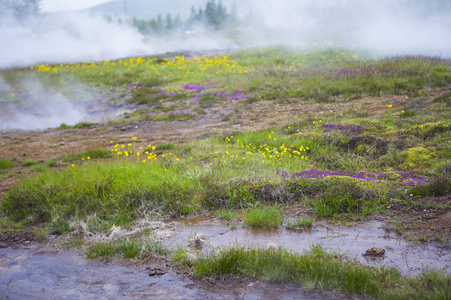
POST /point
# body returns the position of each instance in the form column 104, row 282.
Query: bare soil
column 422, row 220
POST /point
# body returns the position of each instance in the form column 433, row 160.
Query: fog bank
column 392, row 27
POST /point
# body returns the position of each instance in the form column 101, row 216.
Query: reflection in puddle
column 351, row 240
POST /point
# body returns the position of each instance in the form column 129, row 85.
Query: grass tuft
column 300, row 222
column 322, row 270
column 263, row 216
column 125, row 248
column 6, row 164
column 29, row 162
column 227, row 214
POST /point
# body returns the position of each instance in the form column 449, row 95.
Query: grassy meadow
column 339, row 165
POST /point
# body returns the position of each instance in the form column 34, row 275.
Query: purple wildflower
column 196, row 97
column 193, row 87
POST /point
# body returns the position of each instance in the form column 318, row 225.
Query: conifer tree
column 169, row 23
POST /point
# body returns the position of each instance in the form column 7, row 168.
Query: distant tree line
column 213, row 16
column 20, row 9
column 158, row 25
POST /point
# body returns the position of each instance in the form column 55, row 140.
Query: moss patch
column 416, row 158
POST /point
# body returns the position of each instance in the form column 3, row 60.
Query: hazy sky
column 68, row 5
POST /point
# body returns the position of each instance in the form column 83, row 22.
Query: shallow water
column 351, row 240
column 35, row 273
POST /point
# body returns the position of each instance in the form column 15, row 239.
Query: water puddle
column 34, row 273
column 351, row 240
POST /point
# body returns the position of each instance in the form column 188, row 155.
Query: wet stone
column 156, row 271
column 374, row 252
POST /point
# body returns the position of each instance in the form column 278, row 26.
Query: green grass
column 84, row 124
column 260, row 171
column 75, row 242
column 300, row 222
column 219, row 172
column 347, row 197
column 182, row 258
column 163, row 147
column 90, row 154
column 38, row 168
column 51, row 163
column 173, row 117
column 29, row 162
column 6, row 164
column 125, row 248
column 263, row 216
column 244, row 168
column 40, row 233
column 227, row 214
column 274, row 73
column 318, row 269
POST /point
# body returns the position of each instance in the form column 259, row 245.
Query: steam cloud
column 391, row 27
column 76, row 37
column 40, row 108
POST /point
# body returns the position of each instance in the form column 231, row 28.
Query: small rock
column 374, row 252
column 156, row 271
column 54, row 232
column 198, row 241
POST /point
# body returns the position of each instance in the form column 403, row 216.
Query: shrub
column 342, row 198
